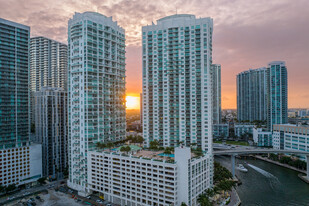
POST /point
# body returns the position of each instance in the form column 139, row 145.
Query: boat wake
column 273, row 180
column 263, row 172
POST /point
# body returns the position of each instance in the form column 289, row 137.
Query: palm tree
column 203, row 200
column 210, row 192
column 2, row 188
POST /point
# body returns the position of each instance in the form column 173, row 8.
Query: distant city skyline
column 262, row 31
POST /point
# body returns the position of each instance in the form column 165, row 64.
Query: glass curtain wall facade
column 51, row 129
column 262, row 94
column 252, row 95
column 278, row 93
column 216, row 87
column 14, row 84
column 96, row 89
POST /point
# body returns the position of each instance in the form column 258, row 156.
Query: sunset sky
column 247, row 33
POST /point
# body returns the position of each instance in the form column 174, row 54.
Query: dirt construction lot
column 57, row 198
column 53, row 198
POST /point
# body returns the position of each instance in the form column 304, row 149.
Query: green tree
column 274, row 157
column 125, row 149
column 154, row 145
column 42, row 180
column 100, row 145
column 2, row 188
column 183, row 204
column 110, row 144
column 203, row 200
column 198, row 151
column 210, row 192
column 130, row 137
column 221, row 173
column 10, row 188
column 226, row 185
column 128, row 149
column 168, row 150
column 122, row 149
column 139, row 139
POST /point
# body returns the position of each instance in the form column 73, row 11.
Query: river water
column 266, row 184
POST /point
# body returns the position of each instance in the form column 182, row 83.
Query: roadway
column 252, row 150
column 258, row 151
column 27, row 192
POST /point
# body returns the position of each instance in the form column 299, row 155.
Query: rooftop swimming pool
column 166, row 155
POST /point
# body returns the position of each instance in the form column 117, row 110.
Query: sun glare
column 132, row 102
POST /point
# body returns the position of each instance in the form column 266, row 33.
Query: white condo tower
column 96, row 89
column 177, row 85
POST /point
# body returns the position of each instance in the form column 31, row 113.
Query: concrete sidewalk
column 235, row 200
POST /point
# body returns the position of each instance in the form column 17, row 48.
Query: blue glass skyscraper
column 278, row 93
column 262, row 94
column 252, row 95
column 14, row 96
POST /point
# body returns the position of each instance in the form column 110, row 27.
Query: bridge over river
column 246, row 151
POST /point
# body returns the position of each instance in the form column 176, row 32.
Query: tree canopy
column 154, row 145
column 125, row 149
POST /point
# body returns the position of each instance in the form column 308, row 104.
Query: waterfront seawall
column 280, row 164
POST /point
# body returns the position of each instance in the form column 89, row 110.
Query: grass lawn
column 234, row 143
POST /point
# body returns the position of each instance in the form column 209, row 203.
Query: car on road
column 109, row 205
column 88, row 197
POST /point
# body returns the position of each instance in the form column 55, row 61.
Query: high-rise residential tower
column 96, row 89
column 278, row 93
column 252, row 95
column 48, row 66
column 177, row 88
column 216, row 91
column 51, row 129
column 14, row 95
column 262, row 94
column 21, row 162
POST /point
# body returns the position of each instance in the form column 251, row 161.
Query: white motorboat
column 241, row 168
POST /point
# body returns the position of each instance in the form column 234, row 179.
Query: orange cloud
column 247, row 34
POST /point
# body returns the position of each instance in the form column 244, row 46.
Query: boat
column 241, row 168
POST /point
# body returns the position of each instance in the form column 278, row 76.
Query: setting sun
column 132, row 102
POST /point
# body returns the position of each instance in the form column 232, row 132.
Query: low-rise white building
column 291, row 137
column 148, row 177
column 262, row 137
column 241, row 129
column 21, row 165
